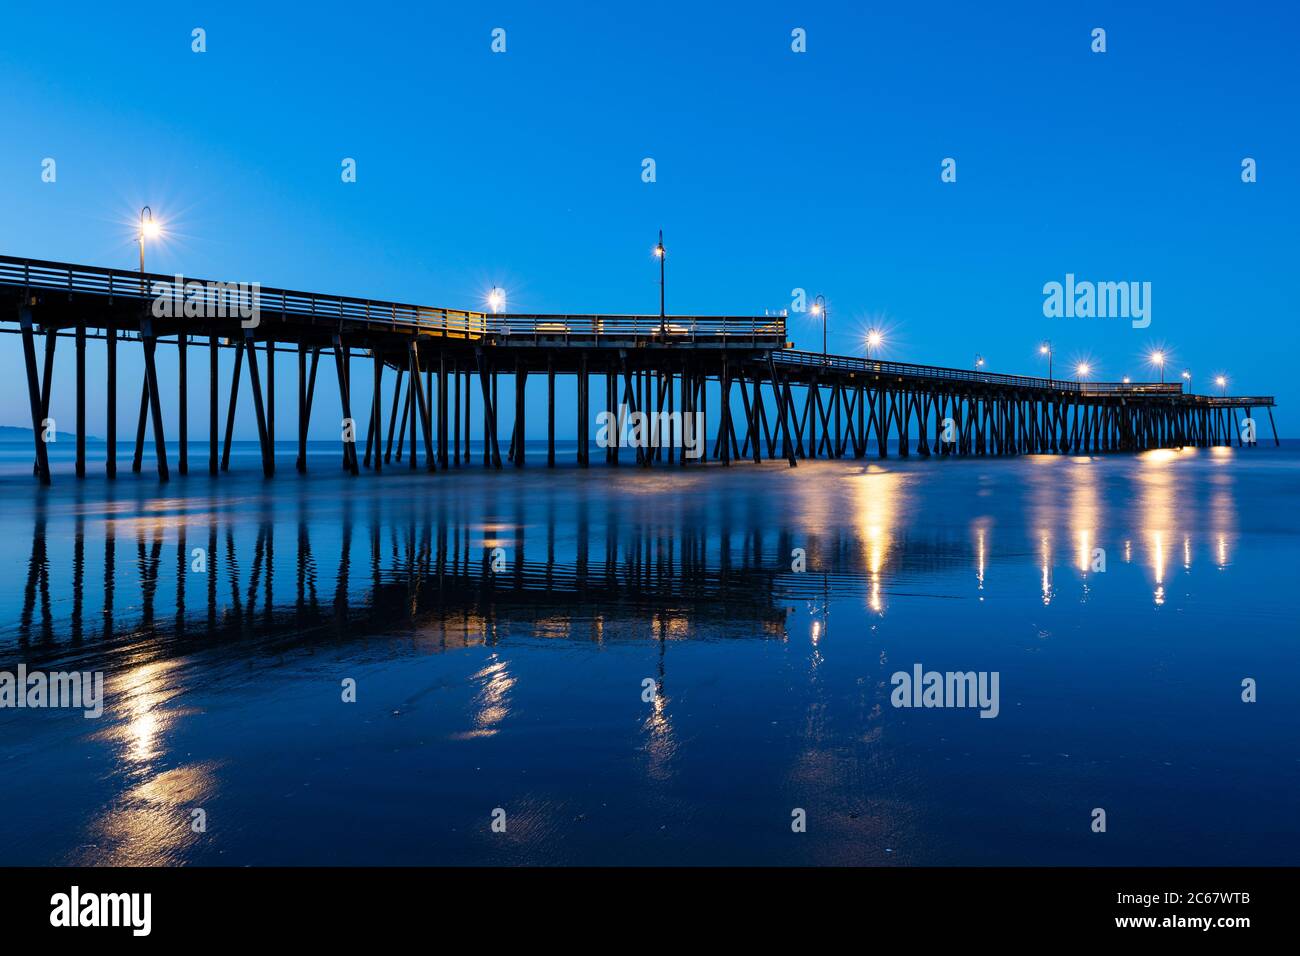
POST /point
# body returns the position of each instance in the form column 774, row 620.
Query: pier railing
column 938, row 372
column 1248, row 401
column 235, row 298
column 224, row 299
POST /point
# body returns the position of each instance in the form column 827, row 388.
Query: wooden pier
column 445, row 365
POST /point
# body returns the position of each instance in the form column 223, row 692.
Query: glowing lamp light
column 1082, row 369
column 496, row 299
column 874, row 339
column 149, row 229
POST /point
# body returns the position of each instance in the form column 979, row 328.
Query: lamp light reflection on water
column 145, row 824
column 493, row 698
column 1158, row 502
column 661, row 744
column 880, row 495
column 1085, row 515
column 1158, row 562
column 1045, row 550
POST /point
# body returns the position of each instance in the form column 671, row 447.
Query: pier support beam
column 345, row 398
column 584, row 397
column 550, row 411
column 214, row 432
column 270, row 405
column 491, row 450
column 443, row 431
column 377, row 416
column 455, row 414
column 784, row 411
column 392, row 418
column 142, row 423
column 424, row 402
column 310, row 400
column 155, row 405
column 182, row 411
column 230, row 405
column 724, row 426
column 300, row 462
column 409, row 411
column 110, row 398
column 255, row 380
column 34, row 395
column 81, row 400
column 521, row 380
column 47, row 377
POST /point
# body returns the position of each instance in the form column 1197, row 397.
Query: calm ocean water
column 514, row 679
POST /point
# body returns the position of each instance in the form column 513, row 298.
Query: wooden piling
column 213, row 418
column 34, row 395
column 81, row 400
column 182, row 407
column 110, row 401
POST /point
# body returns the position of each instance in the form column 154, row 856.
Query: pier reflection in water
column 629, row 665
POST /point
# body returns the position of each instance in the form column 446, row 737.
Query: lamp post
column 1082, row 370
column 662, row 254
column 149, row 229
column 979, row 362
column 1222, row 382
column 874, row 338
column 496, row 301
column 1187, row 377
column 1158, row 358
column 1046, row 349
column 819, row 308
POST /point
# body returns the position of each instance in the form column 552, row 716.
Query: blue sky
column 775, row 170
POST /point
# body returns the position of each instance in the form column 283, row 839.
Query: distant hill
column 11, row 435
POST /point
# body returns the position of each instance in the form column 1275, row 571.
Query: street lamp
column 1222, row 382
column 1046, row 349
column 1126, row 380
column 149, row 229
column 497, row 299
column 979, row 362
column 1187, row 377
column 819, row 308
column 1082, row 370
column 1158, row 358
column 662, row 255
column 874, row 339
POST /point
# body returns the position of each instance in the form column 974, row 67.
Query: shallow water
column 521, row 687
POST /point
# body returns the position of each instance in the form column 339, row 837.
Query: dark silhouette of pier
column 446, row 364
